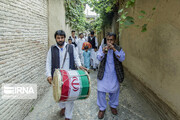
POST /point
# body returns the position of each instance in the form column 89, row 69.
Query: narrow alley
column 132, row 42
column 131, row 105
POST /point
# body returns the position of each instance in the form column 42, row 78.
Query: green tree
column 75, row 16
column 105, row 9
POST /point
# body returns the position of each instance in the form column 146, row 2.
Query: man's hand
column 105, row 49
column 49, row 79
column 83, row 68
column 111, row 46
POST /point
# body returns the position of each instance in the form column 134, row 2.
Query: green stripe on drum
column 84, row 83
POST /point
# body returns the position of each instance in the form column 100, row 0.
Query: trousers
column 113, row 100
column 69, row 105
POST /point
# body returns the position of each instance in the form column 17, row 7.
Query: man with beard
column 110, row 75
column 55, row 59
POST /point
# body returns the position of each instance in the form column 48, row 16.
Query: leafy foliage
column 126, row 21
column 75, row 16
column 144, row 29
column 105, row 9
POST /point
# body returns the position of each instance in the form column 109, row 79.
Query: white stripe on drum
column 75, row 85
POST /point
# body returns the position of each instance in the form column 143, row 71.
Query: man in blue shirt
column 110, row 75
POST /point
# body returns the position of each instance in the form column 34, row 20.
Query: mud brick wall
column 153, row 56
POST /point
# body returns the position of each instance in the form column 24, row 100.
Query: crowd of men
column 87, row 55
column 110, row 72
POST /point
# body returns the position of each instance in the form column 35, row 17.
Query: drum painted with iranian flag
column 70, row 85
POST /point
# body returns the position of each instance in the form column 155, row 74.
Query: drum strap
column 65, row 56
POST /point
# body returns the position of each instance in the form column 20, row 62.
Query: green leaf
column 130, row 3
column 108, row 9
column 118, row 19
column 142, row 11
column 121, row 10
column 121, row 22
column 129, row 21
column 123, row 16
column 140, row 17
column 154, row 8
column 129, row 18
column 144, row 28
column 125, row 13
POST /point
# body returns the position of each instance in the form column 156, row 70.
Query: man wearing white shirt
column 81, row 40
column 55, row 59
column 95, row 60
column 74, row 38
column 86, row 37
column 103, row 41
column 93, row 41
column 70, row 42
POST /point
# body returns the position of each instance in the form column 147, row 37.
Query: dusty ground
column 131, row 106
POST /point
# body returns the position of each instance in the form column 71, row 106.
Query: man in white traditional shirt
column 93, row 41
column 55, row 59
column 95, row 60
column 74, row 38
column 103, row 41
column 86, row 37
column 81, row 40
column 70, row 42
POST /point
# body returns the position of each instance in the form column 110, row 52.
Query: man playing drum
column 56, row 58
column 110, row 74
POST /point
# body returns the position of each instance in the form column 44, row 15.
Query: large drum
column 70, row 85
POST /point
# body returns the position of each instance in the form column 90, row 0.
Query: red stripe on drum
column 65, row 86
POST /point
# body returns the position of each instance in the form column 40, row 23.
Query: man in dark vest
column 74, row 38
column 55, row 59
column 110, row 74
column 93, row 41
